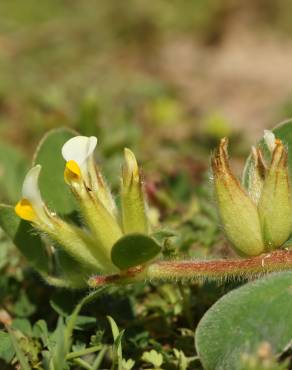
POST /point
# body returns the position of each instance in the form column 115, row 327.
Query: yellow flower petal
column 24, row 210
column 72, row 172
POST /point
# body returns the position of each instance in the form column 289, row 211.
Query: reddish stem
column 211, row 270
column 275, row 261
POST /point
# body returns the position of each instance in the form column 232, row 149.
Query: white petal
column 30, row 187
column 270, row 138
column 79, row 149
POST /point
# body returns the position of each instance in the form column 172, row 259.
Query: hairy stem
column 221, row 269
column 279, row 260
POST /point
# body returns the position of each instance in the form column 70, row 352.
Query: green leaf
column 117, row 347
column 40, row 330
column 52, row 185
column 22, row 325
column 64, row 333
column 134, row 249
column 24, row 237
column 19, row 353
column 99, row 358
column 117, row 351
column 13, row 166
column 114, row 327
column 60, row 350
column 153, row 357
column 244, row 318
column 284, row 132
column 128, row 364
column 7, row 351
column 23, row 307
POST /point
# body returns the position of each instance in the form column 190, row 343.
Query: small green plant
column 104, row 240
column 116, row 244
column 76, row 235
column 108, row 241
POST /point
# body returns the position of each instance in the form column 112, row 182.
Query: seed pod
column 275, row 208
column 238, row 212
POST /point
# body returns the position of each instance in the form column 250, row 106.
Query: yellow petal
column 24, row 210
column 72, row 172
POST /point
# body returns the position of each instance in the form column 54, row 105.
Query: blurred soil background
column 180, row 65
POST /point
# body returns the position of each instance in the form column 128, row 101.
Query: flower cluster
column 92, row 244
column 257, row 219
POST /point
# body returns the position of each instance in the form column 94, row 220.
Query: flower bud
column 275, row 207
column 134, row 214
column 238, row 212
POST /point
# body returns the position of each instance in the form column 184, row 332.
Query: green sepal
column 275, row 207
column 134, row 212
column 133, row 250
column 133, row 202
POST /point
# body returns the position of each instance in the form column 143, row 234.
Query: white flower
column 31, row 207
column 78, row 153
column 81, row 168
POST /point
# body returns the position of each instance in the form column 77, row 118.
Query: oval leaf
column 52, row 185
column 134, row 249
column 240, row 321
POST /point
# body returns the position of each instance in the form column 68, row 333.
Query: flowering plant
column 103, row 241
column 111, row 243
column 76, row 234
